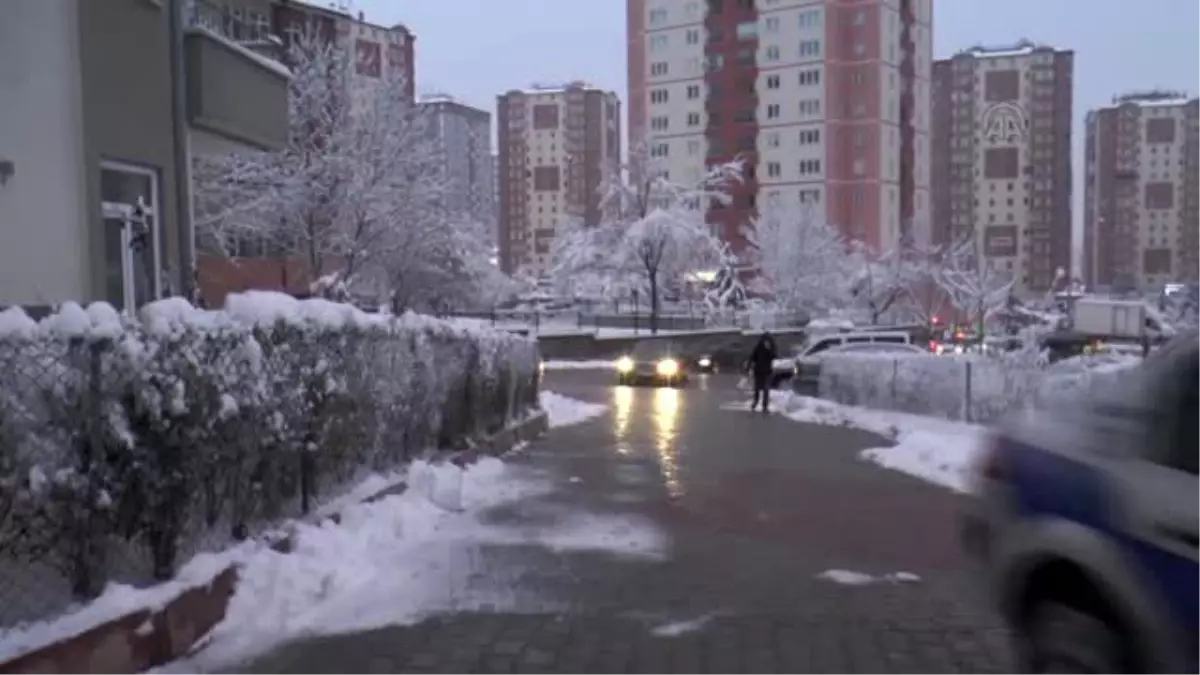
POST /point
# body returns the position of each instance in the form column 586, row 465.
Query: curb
column 148, row 638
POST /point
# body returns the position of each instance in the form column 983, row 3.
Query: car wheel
column 1059, row 638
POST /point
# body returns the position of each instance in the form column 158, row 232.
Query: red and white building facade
column 827, row 101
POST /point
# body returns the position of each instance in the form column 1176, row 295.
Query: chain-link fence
column 971, row 389
column 123, row 453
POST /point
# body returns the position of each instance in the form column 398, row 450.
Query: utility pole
column 182, row 151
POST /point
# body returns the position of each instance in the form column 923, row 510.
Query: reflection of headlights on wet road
column 668, row 367
column 624, row 364
column 705, row 362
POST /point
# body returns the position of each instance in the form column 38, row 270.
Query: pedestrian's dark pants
column 762, row 389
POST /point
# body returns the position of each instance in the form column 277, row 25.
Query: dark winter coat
column 762, row 359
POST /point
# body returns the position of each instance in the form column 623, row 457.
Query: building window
column 772, row 82
column 692, row 37
column 810, row 136
column 693, row 147
column 773, row 170
column 659, row 150
column 658, row 16
column 693, row 92
column 693, row 119
column 810, row 166
column 773, row 111
column 810, row 48
column 771, row 24
column 658, row 43
column 810, row 107
column 810, row 77
column 658, row 123
column 810, row 18
column 658, row 68
column 773, row 139
column 772, row 53
column 368, row 58
column 747, row 30
column 810, row 196
column 658, row 95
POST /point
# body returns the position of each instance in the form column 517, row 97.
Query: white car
column 808, row 366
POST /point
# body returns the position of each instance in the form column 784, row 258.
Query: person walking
column 761, row 366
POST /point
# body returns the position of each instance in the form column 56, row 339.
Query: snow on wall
column 128, row 444
column 966, row 387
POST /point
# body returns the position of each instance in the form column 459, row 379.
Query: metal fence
column 978, row 390
column 122, row 456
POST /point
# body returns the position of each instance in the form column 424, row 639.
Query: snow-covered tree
column 880, row 280
column 358, row 194
column 976, row 288
column 801, row 260
column 654, row 230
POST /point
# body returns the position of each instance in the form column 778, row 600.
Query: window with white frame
column 772, row 82
column 771, row 24
column 810, row 18
column 810, row 48
column 658, row 68
column 693, row 147
column 810, row 77
column 658, row 95
column 772, row 111
column 693, row 92
column 810, row 136
column 658, row 16
column 658, row 42
column 810, row 107
column 693, row 119
column 659, row 123
column 692, row 37
column 772, row 53
column 773, row 139
column 774, row 170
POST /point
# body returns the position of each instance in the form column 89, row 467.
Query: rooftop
column 1153, row 98
column 1022, row 47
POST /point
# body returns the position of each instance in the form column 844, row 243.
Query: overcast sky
column 475, row 49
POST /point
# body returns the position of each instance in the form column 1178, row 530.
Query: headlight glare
column 624, row 364
column 668, row 367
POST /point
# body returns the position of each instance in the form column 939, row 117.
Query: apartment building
column 825, row 100
column 465, row 141
column 1002, row 157
column 1140, row 222
column 96, row 134
column 556, row 143
column 269, row 27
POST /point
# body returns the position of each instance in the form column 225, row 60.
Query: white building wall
column 547, row 208
column 675, row 90
column 43, row 254
column 1003, row 201
column 1160, row 162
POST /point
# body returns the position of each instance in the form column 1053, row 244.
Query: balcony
column 233, row 91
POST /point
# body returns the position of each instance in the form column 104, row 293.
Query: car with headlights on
column 655, row 362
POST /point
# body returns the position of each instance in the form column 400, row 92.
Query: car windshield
column 649, row 350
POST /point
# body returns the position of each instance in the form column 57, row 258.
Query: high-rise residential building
column 825, row 100
column 1002, row 157
column 556, row 144
column 465, row 143
column 1140, row 222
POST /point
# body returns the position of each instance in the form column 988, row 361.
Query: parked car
column 808, row 367
column 787, row 368
column 656, row 362
column 1085, row 520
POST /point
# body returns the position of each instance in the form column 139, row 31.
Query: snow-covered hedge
column 128, row 444
column 967, row 387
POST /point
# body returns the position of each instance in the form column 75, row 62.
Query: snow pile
column 978, row 388
column 564, row 411
column 937, row 450
column 850, row 578
column 143, row 440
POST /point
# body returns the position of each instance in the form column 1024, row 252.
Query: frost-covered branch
column 975, row 287
column 801, row 261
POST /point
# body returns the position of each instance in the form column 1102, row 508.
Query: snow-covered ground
column 851, row 578
column 564, row 411
column 937, row 450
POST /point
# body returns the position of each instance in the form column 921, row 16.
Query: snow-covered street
column 641, row 537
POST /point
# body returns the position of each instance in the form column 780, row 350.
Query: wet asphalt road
column 755, row 508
